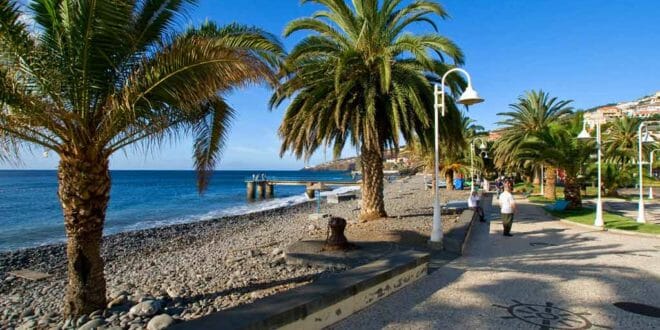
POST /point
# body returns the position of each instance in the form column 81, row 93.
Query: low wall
column 322, row 302
column 455, row 239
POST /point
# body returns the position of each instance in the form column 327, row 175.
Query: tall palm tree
column 533, row 114
column 360, row 78
column 94, row 76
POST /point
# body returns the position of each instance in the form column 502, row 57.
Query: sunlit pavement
column 548, row 276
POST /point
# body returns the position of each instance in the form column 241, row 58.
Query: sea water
column 30, row 212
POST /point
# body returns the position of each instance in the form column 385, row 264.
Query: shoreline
column 197, row 268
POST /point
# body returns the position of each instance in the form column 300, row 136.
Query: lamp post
column 651, row 171
column 482, row 147
column 584, row 135
column 641, row 218
column 542, row 180
column 468, row 97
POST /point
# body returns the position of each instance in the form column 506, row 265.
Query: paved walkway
column 548, row 276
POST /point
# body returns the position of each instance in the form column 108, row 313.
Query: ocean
column 30, row 213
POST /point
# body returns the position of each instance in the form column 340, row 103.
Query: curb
column 610, row 230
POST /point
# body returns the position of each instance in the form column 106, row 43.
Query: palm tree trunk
column 537, row 176
column 449, row 178
column 572, row 192
column 373, row 204
column 549, row 191
column 84, row 191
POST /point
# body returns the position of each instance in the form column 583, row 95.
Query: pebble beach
column 159, row 276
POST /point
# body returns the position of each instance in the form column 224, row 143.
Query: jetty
column 261, row 187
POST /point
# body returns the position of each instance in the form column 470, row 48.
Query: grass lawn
column 612, row 221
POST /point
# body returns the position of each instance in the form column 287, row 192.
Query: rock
column 27, row 312
column 278, row 261
column 93, row 324
column 312, row 227
column 276, row 251
column 112, row 318
column 173, row 292
column 159, row 322
column 82, row 320
column 96, row 314
column 30, row 324
column 67, row 323
column 146, row 308
column 120, row 300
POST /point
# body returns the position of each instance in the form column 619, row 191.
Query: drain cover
column 541, row 244
column 637, row 308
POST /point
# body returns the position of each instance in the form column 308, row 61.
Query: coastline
column 197, row 268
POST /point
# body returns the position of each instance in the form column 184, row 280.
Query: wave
column 256, row 207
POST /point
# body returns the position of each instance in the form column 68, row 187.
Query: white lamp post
column 468, row 97
column 641, row 217
column 584, row 135
column 651, row 171
column 482, row 147
column 542, row 180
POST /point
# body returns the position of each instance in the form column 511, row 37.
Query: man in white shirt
column 507, row 208
column 473, row 204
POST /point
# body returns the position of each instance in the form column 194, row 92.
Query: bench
column 337, row 198
column 558, row 206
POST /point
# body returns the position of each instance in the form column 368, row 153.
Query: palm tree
column 558, row 147
column 359, row 78
column 94, row 76
column 533, row 114
column 620, row 143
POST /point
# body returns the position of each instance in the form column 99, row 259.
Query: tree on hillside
column 361, row 78
column 533, row 114
column 94, row 76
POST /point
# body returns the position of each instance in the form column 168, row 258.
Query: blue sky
column 591, row 51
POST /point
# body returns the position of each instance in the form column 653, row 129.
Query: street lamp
column 584, row 135
column 482, row 147
column 641, row 218
column 468, row 97
column 651, row 171
column 542, row 180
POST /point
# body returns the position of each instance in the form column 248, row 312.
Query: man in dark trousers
column 507, row 209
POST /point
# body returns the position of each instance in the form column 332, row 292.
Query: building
column 603, row 115
column 645, row 107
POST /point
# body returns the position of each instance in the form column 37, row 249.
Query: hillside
column 345, row 164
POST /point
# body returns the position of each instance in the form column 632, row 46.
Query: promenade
column 548, row 276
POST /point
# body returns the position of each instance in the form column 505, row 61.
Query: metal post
column 471, row 167
column 651, row 171
column 599, row 203
column 640, row 209
column 436, row 233
column 542, row 180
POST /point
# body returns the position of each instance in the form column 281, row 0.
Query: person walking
column 507, row 209
column 473, row 204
